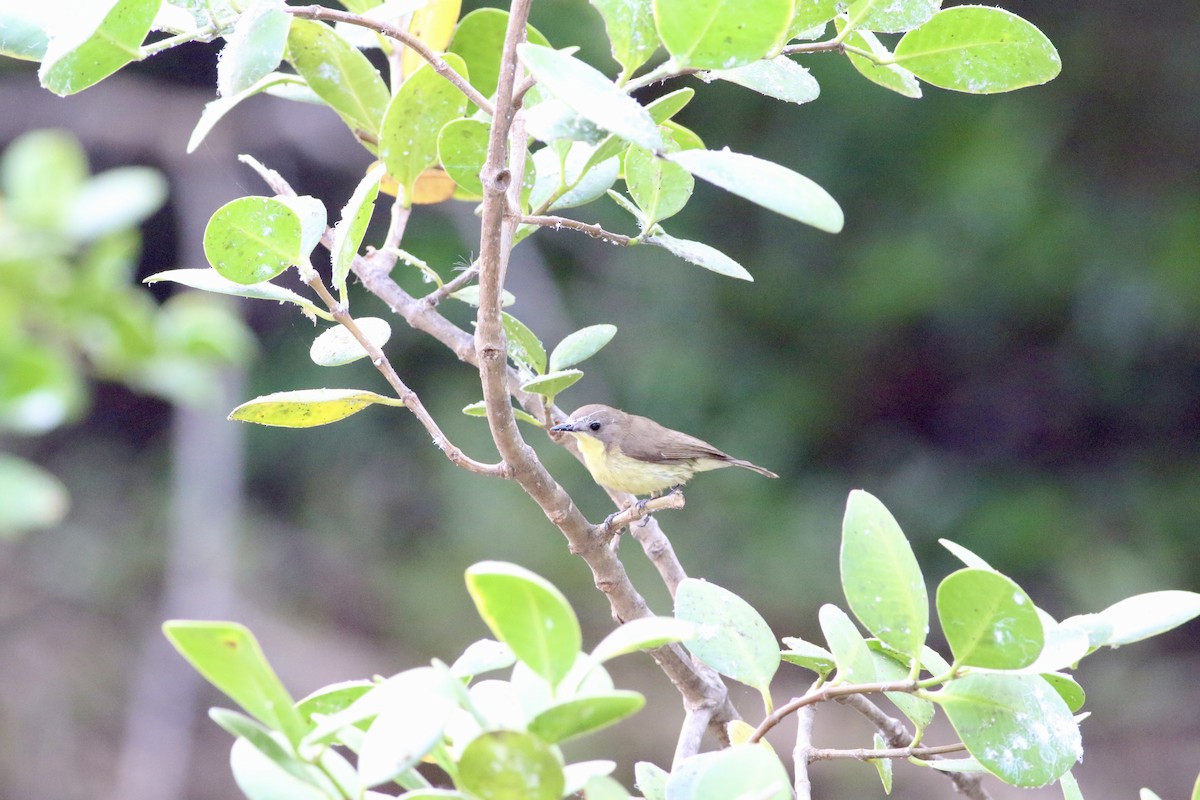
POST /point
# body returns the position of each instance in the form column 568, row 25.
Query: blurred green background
column 1003, row 345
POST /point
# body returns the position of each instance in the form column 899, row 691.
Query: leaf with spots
column 308, row 408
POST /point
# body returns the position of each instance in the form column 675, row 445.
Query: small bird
column 628, row 453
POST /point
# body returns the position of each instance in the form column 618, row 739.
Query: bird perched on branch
column 628, row 453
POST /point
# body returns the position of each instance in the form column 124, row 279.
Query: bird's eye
column 594, row 426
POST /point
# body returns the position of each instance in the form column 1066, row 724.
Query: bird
column 628, row 453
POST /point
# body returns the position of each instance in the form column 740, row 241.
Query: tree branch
column 591, row 229
column 404, row 37
column 823, row 694
column 868, row 754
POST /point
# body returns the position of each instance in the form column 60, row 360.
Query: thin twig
column 591, row 229
column 802, row 752
column 827, row 693
column 636, row 511
column 438, row 63
column 868, row 754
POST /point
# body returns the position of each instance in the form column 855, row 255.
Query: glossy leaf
column 462, row 151
column 964, row 555
column 882, row 765
column 1017, row 726
column 881, row 577
column 631, row 32
column 591, row 95
column 644, row 633
column 722, row 34
column 313, row 220
column 893, row 666
column 780, row 78
column 808, row 655
column 209, row 280
column 479, row 40
column 337, row 346
column 745, row 771
column 571, row 719
column 95, row 43
column 255, row 48
column 339, row 73
column 587, row 182
column 580, row 346
column 891, row 16
column 507, row 765
column 253, row 239
column 408, row 140
column 333, row 698
column 811, row 17
column 350, row 229
column 526, row 612
column 701, row 255
column 768, row 184
column 731, row 636
column 979, row 50
column 485, row 655
column 308, row 408
column 660, row 110
column 1068, row 689
column 260, row 778
column 854, row 661
column 406, row 729
column 229, row 657
column 889, row 76
column 1145, row 615
column 524, row 348
column 660, row 189
column 988, row 620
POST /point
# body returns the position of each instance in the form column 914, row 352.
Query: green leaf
column 722, row 34
column 462, row 149
column 1017, row 726
column 551, row 383
column 308, row 408
column 21, row 36
column 881, row 577
column 348, row 233
column 988, row 620
column 1070, row 787
column 591, row 95
column 485, row 655
column 700, row 254
column 883, row 765
column 979, row 50
column 780, row 78
column 479, row 409
column 526, row 612
column 30, row 497
column 580, row 346
column 644, row 633
column 1145, row 615
column 524, row 348
column 255, row 48
column 216, row 109
column 507, row 765
column 731, row 637
column 811, row 18
column 313, row 220
column 97, row 42
column 229, row 657
column 765, row 183
column 470, row 296
column 602, row 787
column 743, row 771
column 1068, row 689
column 337, row 346
column 332, row 699
column 209, row 280
column 631, row 31
column 253, row 239
column 588, row 182
column 574, row 718
column 479, row 41
column 964, row 555
column 661, row 189
column 408, row 140
column 650, row 780
column 339, row 74
column 407, row 728
column 854, row 660
column 808, row 655
column 888, row 75
column 40, row 174
column 260, row 778
column 891, row 16
column 893, row 666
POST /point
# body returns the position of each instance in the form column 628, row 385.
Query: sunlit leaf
column 731, row 636
column 479, row 41
column 780, row 78
column 580, row 346
column 631, row 32
column 255, row 48
column 701, row 255
column 337, row 346
column 408, row 140
column 339, row 74
column 308, row 408
column 722, row 34
column 209, row 280
column 350, row 229
column 92, row 43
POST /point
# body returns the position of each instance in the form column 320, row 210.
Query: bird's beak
column 566, row 427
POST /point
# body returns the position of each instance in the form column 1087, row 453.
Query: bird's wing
column 682, row 448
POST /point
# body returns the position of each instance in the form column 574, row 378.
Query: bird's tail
column 737, row 462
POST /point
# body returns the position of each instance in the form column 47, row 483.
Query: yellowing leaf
column 433, row 24
column 308, row 408
column 433, row 186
